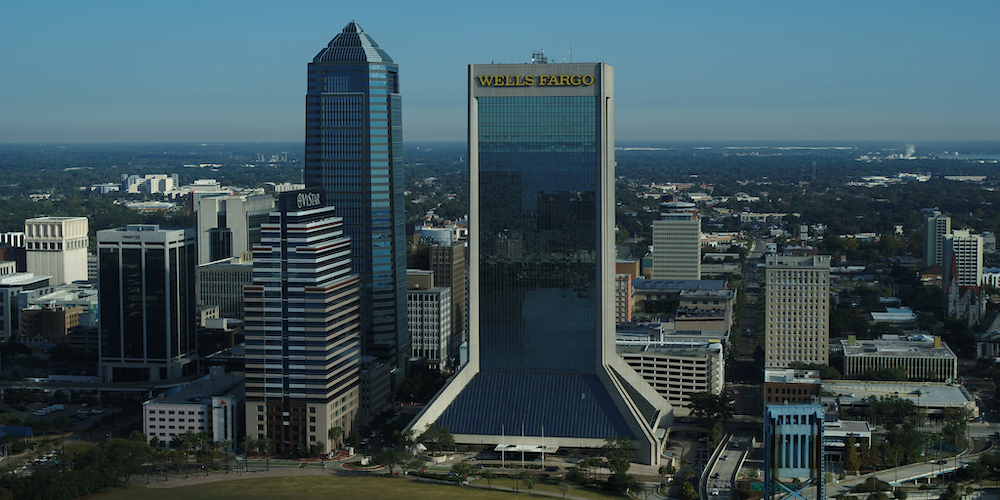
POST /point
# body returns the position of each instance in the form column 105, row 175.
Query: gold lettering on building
column 533, row 80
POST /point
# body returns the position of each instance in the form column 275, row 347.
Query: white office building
column 428, row 315
column 677, row 242
column 230, row 225
column 57, row 247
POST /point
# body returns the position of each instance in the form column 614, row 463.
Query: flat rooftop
column 677, row 285
column 196, row 392
column 791, row 376
column 852, row 392
column 896, row 349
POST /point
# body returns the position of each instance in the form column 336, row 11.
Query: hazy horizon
column 726, row 71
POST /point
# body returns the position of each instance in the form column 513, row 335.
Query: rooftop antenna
column 539, row 57
column 570, row 53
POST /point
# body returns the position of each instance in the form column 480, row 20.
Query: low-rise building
column 212, row 404
column 790, row 386
column 931, row 399
column 677, row 369
column 898, row 317
column 15, row 292
column 923, row 357
column 48, row 324
column 837, row 432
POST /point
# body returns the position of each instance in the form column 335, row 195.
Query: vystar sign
column 308, row 200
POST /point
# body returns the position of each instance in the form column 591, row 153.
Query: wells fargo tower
column 354, row 153
column 542, row 361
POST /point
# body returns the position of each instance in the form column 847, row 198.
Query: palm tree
column 201, row 439
column 227, row 447
column 264, row 446
column 189, row 440
column 335, row 433
column 248, row 444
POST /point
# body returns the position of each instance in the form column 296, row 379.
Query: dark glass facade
column 542, row 160
column 354, row 153
column 148, row 303
column 537, row 233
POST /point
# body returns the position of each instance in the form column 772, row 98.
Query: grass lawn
column 299, row 487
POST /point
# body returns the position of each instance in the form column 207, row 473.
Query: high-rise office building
column 230, row 225
column 447, row 260
column 962, row 279
column 677, row 242
column 429, row 314
column 302, row 327
column 354, row 153
column 936, row 226
column 797, row 322
column 147, row 297
column 963, row 258
column 220, row 283
column 542, row 362
column 57, row 247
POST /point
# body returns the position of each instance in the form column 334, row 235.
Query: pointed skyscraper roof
column 352, row 45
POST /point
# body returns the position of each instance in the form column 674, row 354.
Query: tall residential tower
column 542, row 361
column 354, row 153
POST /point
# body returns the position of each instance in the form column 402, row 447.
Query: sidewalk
column 192, row 479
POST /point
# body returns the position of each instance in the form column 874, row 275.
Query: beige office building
column 677, row 242
column 797, row 322
column 57, row 247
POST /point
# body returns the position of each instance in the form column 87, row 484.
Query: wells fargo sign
column 535, row 80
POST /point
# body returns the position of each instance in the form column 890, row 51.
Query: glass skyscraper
column 148, row 305
column 542, row 369
column 354, row 153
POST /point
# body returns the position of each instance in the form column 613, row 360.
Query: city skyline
column 766, row 71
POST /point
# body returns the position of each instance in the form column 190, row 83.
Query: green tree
column 437, row 438
column 248, row 444
column 489, row 476
column 564, row 487
column 335, row 433
column 126, row 456
column 708, row 407
column 620, row 452
column 688, row 492
column 529, row 480
column 460, row 469
column 852, row 461
column 189, row 441
column 354, row 438
column 264, row 445
column 391, row 459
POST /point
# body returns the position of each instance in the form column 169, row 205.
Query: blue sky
column 117, row 71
